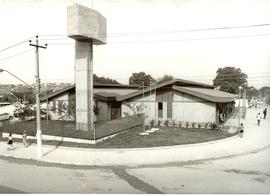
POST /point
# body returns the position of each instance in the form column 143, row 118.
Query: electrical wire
column 173, row 31
column 16, row 54
column 170, row 40
column 19, row 43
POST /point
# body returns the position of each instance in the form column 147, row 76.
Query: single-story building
column 106, row 107
column 178, row 99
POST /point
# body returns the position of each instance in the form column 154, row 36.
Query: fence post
column 94, row 128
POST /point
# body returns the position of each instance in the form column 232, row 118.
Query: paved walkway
column 255, row 138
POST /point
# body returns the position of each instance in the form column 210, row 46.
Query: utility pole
column 239, row 107
column 38, row 121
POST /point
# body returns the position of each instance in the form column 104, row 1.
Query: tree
column 22, row 93
column 165, row 77
column 252, row 92
column 104, row 80
column 229, row 79
column 141, row 78
column 265, row 93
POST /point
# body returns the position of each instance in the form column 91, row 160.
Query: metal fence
column 118, row 125
column 68, row 128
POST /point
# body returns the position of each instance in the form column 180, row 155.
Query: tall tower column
column 88, row 28
column 84, row 85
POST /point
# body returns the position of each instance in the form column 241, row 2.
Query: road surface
column 248, row 173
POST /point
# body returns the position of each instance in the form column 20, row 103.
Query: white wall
column 63, row 97
column 184, row 108
column 190, row 108
column 149, row 106
column 104, row 113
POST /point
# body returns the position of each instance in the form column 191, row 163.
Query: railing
column 68, row 128
column 118, row 125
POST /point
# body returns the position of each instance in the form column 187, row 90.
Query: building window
column 160, row 109
column 169, row 109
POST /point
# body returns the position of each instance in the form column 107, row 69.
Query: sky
column 153, row 36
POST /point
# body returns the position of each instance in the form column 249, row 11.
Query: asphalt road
column 248, row 173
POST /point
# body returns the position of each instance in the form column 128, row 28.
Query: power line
column 172, row 40
column 16, row 54
column 19, row 43
column 174, row 31
column 161, row 32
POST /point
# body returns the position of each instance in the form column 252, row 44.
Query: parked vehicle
column 5, row 116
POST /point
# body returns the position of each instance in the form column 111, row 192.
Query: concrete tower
column 88, row 28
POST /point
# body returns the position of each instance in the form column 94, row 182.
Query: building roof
column 179, row 82
column 207, row 94
column 56, row 93
column 102, row 91
column 112, row 92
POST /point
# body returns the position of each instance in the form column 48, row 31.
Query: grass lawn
column 166, row 136
column 56, row 128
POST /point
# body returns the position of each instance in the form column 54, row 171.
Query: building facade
column 179, row 100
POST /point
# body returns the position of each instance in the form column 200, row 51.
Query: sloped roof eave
column 159, row 85
column 216, row 96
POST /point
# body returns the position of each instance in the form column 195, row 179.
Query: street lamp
column 3, row 70
column 38, row 135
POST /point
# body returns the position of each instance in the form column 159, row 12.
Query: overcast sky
column 143, row 35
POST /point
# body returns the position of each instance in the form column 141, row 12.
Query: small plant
column 209, row 125
column 152, row 122
column 159, row 122
column 214, row 126
column 193, row 124
column 166, row 123
column 174, row 123
column 187, row 123
column 202, row 125
column 199, row 125
column 180, row 124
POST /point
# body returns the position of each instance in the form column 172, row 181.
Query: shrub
column 214, row 126
column 159, row 122
column 166, row 123
column 152, row 122
column 187, row 123
column 180, row 123
column 209, row 125
column 199, row 125
column 193, row 124
column 202, row 125
column 174, row 123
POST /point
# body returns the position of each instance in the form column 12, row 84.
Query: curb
column 143, row 149
column 144, row 165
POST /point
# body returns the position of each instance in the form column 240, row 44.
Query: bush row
column 184, row 124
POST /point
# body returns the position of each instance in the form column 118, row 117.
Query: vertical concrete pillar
column 88, row 28
column 84, row 84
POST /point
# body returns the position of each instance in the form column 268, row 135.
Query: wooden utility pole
column 38, row 120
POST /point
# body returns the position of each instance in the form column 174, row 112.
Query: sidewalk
column 255, row 138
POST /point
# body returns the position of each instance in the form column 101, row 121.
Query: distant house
column 178, row 99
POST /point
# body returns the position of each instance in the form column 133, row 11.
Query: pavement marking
column 136, row 182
